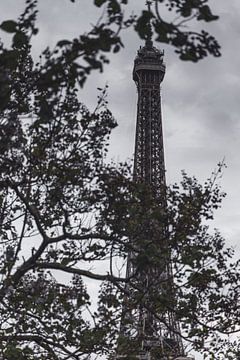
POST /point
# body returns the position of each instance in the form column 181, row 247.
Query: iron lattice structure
column 148, row 73
column 158, row 338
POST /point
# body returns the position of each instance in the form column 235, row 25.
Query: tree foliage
column 68, row 217
column 88, row 52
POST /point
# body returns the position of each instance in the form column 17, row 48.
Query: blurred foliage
column 88, row 51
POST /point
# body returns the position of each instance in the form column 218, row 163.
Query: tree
column 63, row 208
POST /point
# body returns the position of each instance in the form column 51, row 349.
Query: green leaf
column 188, row 56
column 9, row 330
column 65, row 261
column 164, row 30
column 20, row 39
column 114, row 7
column 9, row 59
column 205, row 14
column 9, row 26
column 99, row 3
column 186, row 11
column 142, row 25
column 116, row 48
column 63, row 43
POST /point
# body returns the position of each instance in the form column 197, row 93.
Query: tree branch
column 32, row 210
column 81, row 272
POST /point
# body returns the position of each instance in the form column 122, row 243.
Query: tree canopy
column 88, row 52
column 68, row 217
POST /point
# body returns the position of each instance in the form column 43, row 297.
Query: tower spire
column 149, row 42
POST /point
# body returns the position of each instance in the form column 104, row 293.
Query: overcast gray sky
column 200, row 102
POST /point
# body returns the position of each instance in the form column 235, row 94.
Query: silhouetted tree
column 67, row 216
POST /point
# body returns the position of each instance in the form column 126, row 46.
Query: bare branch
column 89, row 274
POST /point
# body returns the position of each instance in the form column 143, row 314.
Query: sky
column 200, row 102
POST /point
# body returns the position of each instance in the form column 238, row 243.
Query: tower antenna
column 149, row 42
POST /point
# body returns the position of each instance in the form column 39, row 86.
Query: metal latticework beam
column 149, row 154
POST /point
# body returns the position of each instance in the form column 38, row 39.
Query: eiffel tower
column 154, row 337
